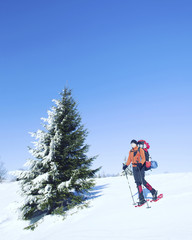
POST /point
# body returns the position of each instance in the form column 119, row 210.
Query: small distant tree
column 3, row 172
column 60, row 175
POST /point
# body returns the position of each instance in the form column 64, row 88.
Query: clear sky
column 129, row 64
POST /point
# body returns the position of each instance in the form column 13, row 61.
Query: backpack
column 148, row 164
column 145, row 146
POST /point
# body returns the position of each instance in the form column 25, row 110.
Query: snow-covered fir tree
column 3, row 172
column 59, row 176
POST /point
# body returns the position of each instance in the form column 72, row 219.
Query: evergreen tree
column 60, row 176
column 3, row 172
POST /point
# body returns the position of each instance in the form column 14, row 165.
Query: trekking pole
column 129, row 186
column 143, row 185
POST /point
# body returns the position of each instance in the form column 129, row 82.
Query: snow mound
column 111, row 214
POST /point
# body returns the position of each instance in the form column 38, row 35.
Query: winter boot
column 141, row 197
column 141, row 202
column 154, row 195
column 140, row 192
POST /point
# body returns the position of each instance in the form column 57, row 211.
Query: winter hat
column 134, row 141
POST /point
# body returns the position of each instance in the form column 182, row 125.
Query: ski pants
column 139, row 176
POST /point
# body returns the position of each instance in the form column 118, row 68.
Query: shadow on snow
column 96, row 191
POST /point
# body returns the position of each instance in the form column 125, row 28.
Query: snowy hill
column 111, row 214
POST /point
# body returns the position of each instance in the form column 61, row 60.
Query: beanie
column 134, row 141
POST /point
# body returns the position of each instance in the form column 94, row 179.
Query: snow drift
column 111, row 214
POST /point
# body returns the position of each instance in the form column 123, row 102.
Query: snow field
column 111, row 214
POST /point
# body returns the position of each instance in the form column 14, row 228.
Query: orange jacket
column 138, row 158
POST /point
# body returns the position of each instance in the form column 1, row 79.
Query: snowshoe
column 141, row 203
column 158, row 198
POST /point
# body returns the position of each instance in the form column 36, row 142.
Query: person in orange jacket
column 137, row 158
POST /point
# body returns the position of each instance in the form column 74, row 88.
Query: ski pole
column 143, row 185
column 129, row 186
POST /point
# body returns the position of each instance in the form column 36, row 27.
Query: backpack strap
column 135, row 153
column 140, row 154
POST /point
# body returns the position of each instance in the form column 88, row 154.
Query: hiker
column 137, row 158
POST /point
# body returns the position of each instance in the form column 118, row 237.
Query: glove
column 139, row 165
column 124, row 167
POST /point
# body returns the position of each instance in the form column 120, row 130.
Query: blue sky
column 128, row 63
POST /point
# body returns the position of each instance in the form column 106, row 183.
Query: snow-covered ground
column 111, row 214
